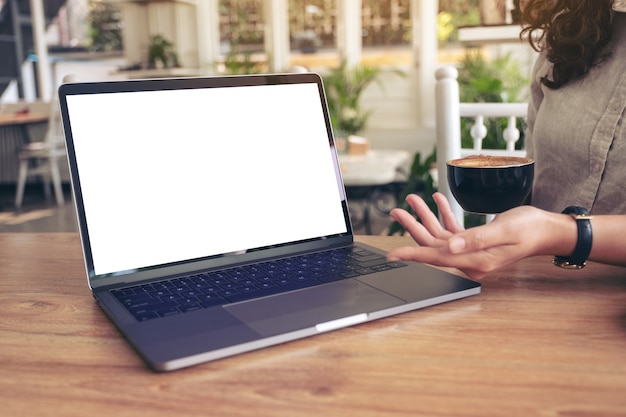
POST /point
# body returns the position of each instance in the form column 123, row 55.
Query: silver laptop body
column 206, row 183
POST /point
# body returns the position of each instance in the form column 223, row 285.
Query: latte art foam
column 480, row 161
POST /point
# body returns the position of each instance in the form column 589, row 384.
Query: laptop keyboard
column 197, row 291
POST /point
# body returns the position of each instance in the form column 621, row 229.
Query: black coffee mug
column 490, row 184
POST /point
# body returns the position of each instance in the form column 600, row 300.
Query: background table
column 13, row 119
column 376, row 167
column 375, row 179
column 539, row 341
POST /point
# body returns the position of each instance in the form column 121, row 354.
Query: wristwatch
column 584, row 242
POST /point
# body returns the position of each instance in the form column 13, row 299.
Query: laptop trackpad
column 306, row 308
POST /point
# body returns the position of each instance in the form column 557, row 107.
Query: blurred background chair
column 42, row 158
column 449, row 112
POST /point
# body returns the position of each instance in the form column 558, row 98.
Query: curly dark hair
column 574, row 33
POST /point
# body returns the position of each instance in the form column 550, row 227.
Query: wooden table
column 539, row 341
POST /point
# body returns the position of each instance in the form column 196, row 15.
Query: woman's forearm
column 609, row 239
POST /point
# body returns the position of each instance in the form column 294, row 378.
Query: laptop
column 214, row 221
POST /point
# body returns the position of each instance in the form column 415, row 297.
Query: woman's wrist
column 561, row 232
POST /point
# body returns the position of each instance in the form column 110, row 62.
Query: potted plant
column 161, row 53
column 344, row 86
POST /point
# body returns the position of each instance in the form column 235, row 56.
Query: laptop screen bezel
column 213, row 261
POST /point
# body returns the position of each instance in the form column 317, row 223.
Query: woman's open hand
column 512, row 235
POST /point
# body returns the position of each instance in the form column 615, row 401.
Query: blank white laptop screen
column 175, row 175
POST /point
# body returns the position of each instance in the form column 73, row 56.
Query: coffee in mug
column 487, row 184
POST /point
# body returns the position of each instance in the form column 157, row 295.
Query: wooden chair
column 449, row 112
column 42, row 157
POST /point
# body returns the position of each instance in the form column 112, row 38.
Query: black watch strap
column 584, row 242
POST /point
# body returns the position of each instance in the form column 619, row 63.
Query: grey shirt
column 577, row 135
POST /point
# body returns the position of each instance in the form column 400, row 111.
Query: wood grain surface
column 538, row 341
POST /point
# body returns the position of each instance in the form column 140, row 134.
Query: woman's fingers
column 471, row 265
column 417, row 231
column 423, row 254
column 448, row 217
column 429, row 219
